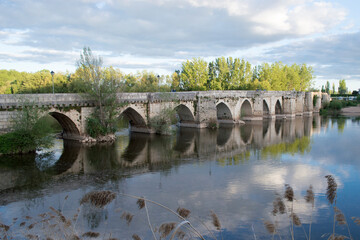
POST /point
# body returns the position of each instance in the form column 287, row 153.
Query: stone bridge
column 194, row 109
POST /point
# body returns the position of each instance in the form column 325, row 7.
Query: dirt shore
column 351, row 111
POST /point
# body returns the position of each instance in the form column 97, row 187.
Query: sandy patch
column 351, row 111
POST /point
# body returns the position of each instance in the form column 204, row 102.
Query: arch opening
column 135, row 119
column 184, row 114
column 278, row 109
column 70, row 130
column 265, row 108
column 223, row 112
column 246, row 110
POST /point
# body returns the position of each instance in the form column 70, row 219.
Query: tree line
column 194, row 75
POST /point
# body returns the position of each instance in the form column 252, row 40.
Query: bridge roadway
column 194, row 109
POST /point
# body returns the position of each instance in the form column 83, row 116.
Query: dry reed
column 141, row 203
column 356, row 220
column 183, row 212
column 128, row 217
column 215, row 220
column 91, row 234
column 5, row 227
column 98, row 198
column 339, row 216
column 136, row 237
column 278, row 206
column 331, row 188
column 180, row 234
column 270, row 227
column 289, row 193
column 310, row 196
column 166, row 228
column 295, row 219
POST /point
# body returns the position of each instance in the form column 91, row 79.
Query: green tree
column 342, row 87
column 102, row 85
column 194, row 75
column 175, row 80
column 333, row 88
column 327, row 87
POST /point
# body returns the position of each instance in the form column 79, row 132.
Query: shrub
column 30, row 132
column 315, row 98
column 94, row 127
column 161, row 123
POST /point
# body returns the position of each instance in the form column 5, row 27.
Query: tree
column 322, row 89
column 342, row 87
column 333, row 88
column 327, row 87
column 102, row 86
column 194, row 75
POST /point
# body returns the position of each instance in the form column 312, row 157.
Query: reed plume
column 91, row 234
column 289, row 193
column 183, row 212
column 270, row 227
column 141, row 203
column 339, row 216
column 5, row 227
column 166, row 228
column 295, row 219
column 98, row 198
column 278, row 206
column 310, row 197
column 180, row 234
column 215, row 220
column 128, row 217
column 136, row 237
column 331, row 188
column 31, row 236
column 356, row 220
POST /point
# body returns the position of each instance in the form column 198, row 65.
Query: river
column 235, row 172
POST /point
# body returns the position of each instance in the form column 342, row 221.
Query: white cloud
column 173, row 30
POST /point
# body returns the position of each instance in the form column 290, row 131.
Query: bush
column 162, row 122
column 30, row 132
column 336, row 105
column 315, row 98
column 94, row 127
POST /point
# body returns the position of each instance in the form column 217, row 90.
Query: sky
column 158, row 35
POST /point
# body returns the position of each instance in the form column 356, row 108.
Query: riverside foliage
column 195, row 75
column 31, row 131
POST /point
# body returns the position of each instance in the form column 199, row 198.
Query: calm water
column 237, row 172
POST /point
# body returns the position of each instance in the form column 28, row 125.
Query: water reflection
column 226, row 144
column 235, row 171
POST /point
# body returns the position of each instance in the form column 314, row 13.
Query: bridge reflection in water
column 142, row 152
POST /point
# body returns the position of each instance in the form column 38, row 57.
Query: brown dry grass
column 98, row 198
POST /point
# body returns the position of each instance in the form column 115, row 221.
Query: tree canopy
column 195, row 75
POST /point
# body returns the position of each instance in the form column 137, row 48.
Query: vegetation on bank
column 31, row 131
column 334, row 107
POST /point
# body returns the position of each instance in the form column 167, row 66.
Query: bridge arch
column 184, row 113
column 278, row 107
column 246, row 109
column 135, row 119
column 70, row 130
column 223, row 111
column 266, row 110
